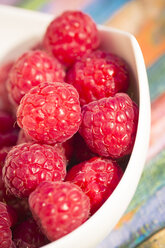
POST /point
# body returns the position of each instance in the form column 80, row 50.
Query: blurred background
column 143, row 224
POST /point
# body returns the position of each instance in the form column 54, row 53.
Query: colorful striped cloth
column 143, row 224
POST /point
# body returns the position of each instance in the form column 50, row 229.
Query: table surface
column 143, row 224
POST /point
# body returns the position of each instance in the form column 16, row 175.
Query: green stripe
column 32, row 4
column 156, row 78
column 153, row 178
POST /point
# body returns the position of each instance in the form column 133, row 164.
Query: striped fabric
column 143, row 224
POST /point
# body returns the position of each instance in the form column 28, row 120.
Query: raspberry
column 8, row 133
column 65, row 149
column 19, row 243
column 8, row 139
column 59, row 208
column 97, row 178
column 23, row 138
column 50, row 113
column 4, row 101
column 28, row 164
column 2, row 187
column 3, row 154
column 20, row 206
column 109, row 125
column 37, row 46
column 29, row 232
column 98, row 75
column 12, row 215
column 31, row 69
column 6, row 122
column 14, row 246
column 81, row 150
column 5, row 224
column 70, row 36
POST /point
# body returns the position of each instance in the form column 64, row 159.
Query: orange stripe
column 151, row 39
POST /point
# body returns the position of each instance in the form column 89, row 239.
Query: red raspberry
column 14, row 246
column 19, row 243
column 59, row 208
column 98, row 75
column 37, row 46
column 6, row 122
column 109, row 125
column 29, row 232
column 5, row 224
column 97, row 178
column 28, row 164
column 12, row 215
column 65, row 149
column 8, row 213
column 23, row 138
column 8, row 130
column 50, row 113
column 4, row 101
column 70, row 36
column 2, row 187
column 20, row 206
column 8, row 139
column 31, row 69
column 81, row 152
column 3, row 153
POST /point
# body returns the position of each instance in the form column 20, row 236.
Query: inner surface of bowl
column 20, row 30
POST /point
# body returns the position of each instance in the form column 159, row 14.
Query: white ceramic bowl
column 19, row 30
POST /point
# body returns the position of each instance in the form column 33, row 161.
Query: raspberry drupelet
column 65, row 149
column 8, row 130
column 31, row 69
column 97, row 75
column 20, row 206
column 81, row 151
column 109, row 125
column 29, row 164
column 23, row 138
column 4, row 101
column 97, row 178
column 28, row 231
column 19, row 243
column 50, row 113
column 70, row 36
column 59, row 208
column 5, row 224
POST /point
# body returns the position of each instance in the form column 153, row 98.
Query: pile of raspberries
column 66, row 126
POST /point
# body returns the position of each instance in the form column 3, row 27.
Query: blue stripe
column 148, row 220
column 150, row 201
column 102, row 10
